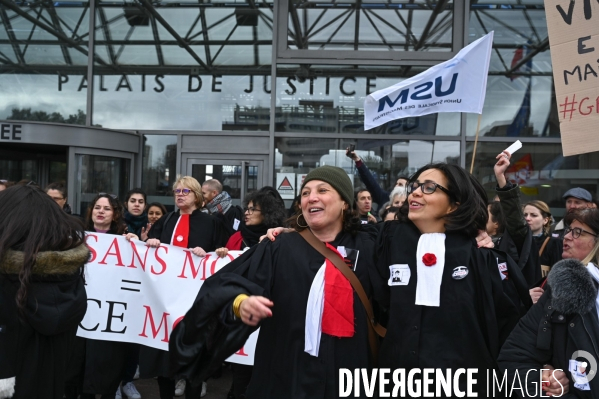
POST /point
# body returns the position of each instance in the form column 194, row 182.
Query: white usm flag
column 456, row 85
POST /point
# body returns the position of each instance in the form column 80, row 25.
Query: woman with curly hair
column 42, row 293
column 105, row 215
column 262, row 211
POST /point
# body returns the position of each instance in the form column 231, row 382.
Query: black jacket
column 563, row 321
column 205, row 231
column 552, row 252
column 35, row 347
column 379, row 196
column 517, row 241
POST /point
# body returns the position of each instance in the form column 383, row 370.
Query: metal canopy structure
column 229, row 37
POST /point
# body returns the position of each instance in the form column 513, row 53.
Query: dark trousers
column 166, row 388
column 242, row 375
column 131, row 362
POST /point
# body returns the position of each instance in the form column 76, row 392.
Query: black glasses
column 428, row 187
column 113, row 196
column 184, row 191
column 577, row 231
column 251, row 210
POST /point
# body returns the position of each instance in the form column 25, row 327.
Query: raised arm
column 379, row 195
column 509, row 196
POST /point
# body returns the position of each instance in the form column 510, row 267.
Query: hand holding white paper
column 514, row 147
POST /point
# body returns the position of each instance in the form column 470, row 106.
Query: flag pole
column 475, row 142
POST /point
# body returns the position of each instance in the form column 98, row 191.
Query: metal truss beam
column 56, row 22
column 49, row 29
column 11, row 36
column 182, row 42
column 544, row 45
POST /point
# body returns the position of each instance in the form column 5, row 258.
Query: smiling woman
column 278, row 287
column 449, row 295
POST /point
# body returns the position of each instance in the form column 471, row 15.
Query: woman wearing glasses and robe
column 450, row 304
column 190, row 228
column 562, row 329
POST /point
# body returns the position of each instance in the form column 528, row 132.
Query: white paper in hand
column 514, row 147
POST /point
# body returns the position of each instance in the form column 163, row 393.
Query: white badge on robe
column 428, row 282
column 578, row 370
column 399, row 275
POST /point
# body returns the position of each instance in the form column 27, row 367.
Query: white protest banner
column 456, row 85
column 138, row 294
column 574, row 43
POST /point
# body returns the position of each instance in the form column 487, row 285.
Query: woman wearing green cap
column 279, row 286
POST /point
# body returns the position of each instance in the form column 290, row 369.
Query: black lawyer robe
column 206, row 232
column 282, row 271
column 475, row 314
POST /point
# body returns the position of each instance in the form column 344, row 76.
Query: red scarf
column 338, row 313
column 181, row 233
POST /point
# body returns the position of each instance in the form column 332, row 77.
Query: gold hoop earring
column 298, row 223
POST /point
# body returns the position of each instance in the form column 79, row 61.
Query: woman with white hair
column 397, row 197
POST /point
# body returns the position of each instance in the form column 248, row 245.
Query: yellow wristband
column 237, row 304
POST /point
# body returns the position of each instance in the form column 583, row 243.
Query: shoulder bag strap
column 544, row 245
column 373, row 327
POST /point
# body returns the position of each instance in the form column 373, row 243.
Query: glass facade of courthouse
column 112, row 94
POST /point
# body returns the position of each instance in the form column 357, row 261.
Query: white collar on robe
column 428, row 283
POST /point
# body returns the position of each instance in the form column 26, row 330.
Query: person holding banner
column 190, row 228
column 105, row 362
column 42, row 292
column 279, row 286
column 449, row 306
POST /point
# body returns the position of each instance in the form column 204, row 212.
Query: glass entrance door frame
column 244, row 161
column 74, row 196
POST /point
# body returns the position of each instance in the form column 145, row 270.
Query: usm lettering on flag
column 456, row 85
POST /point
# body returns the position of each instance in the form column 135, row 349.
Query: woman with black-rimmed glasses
column 262, row 210
column 450, row 304
column 187, row 227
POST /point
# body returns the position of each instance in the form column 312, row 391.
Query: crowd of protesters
column 456, row 280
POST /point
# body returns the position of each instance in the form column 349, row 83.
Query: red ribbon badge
column 429, row 259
